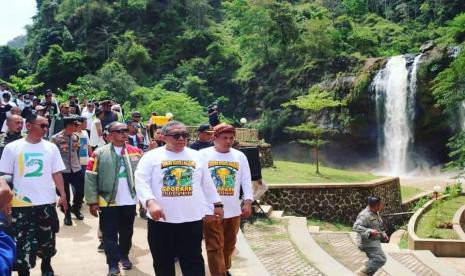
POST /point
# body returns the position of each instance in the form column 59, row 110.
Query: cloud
column 16, row 14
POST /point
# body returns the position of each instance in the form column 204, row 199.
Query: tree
column 312, row 130
column 59, row 68
column 184, row 108
column 11, row 60
column 132, row 55
column 22, row 82
column 114, row 80
column 449, row 85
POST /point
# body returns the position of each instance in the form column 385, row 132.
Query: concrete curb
column 393, row 267
column 459, row 217
column 439, row 247
column 434, row 263
column 246, row 260
column 302, row 239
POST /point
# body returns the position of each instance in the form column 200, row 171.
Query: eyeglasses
column 178, row 136
column 121, row 131
column 136, row 116
column 42, row 125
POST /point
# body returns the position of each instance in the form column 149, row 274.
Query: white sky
column 15, row 15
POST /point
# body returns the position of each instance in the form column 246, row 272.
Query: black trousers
column 76, row 180
column 117, row 226
column 182, row 240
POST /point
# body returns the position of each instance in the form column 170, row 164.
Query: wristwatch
column 218, row 205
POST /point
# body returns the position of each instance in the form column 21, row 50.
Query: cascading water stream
column 395, row 108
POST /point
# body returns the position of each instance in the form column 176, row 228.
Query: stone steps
column 274, row 248
column 315, row 254
column 276, row 214
column 342, row 247
column 244, row 260
column 267, row 210
column 287, row 246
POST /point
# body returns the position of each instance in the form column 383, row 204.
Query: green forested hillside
column 250, row 56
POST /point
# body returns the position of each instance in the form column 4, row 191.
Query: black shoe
column 101, row 247
column 67, row 220
column 24, row 273
column 126, row 263
column 113, row 271
column 77, row 213
column 46, row 268
column 143, row 213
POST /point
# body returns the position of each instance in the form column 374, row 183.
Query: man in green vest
column 111, row 195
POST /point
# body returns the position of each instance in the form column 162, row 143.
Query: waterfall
column 413, row 91
column 395, row 109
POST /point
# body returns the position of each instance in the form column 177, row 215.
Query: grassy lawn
column 429, row 222
column 329, row 226
column 286, row 172
column 403, row 243
column 408, row 192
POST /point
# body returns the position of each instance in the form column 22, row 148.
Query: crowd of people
column 187, row 191
column 88, row 154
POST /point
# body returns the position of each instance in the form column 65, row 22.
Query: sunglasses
column 121, row 131
column 42, row 125
column 178, row 136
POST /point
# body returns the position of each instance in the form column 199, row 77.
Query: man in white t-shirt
column 230, row 172
column 35, row 165
column 173, row 182
column 111, row 195
column 88, row 113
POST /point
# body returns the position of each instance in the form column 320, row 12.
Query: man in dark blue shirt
column 204, row 133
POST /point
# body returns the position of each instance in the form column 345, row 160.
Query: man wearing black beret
column 370, row 234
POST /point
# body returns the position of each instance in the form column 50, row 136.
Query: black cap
column 105, row 102
column 98, row 111
column 71, row 120
column 374, row 200
column 204, row 128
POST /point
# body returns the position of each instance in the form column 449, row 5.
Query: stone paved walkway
column 77, row 251
column 273, row 247
column 413, row 264
column 342, row 248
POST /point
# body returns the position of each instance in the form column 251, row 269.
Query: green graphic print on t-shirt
column 177, row 177
column 224, row 176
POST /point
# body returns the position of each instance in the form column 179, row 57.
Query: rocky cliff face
column 432, row 127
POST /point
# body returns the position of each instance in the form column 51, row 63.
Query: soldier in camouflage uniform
column 34, row 224
column 36, row 166
column 15, row 125
column 370, row 234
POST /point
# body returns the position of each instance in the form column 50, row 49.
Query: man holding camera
column 370, row 234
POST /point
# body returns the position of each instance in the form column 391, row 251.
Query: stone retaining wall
column 333, row 201
column 410, row 204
